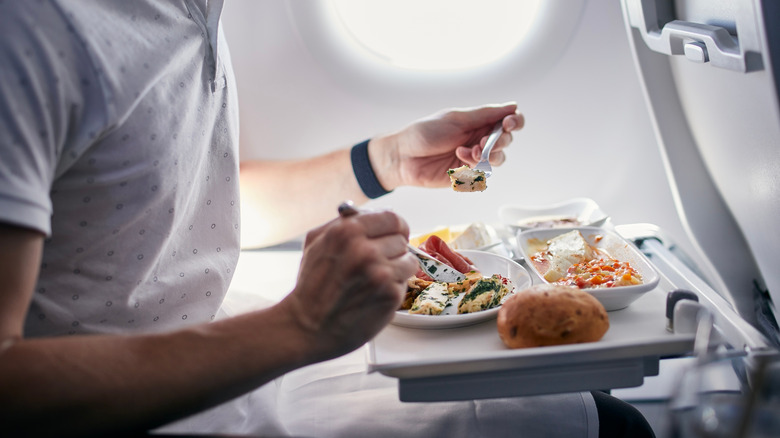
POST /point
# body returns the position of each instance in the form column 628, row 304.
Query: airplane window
column 407, row 51
column 437, row 34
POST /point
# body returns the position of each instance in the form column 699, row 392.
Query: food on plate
column 416, row 285
column 428, row 297
column 561, row 253
column 444, row 233
column 474, row 236
column 549, row 222
column 551, row 314
column 486, row 293
column 601, row 272
column 466, row 179
column 432, row 300
column 438, row 249
column 569, row 259
column 464, row 285
column 471, row 236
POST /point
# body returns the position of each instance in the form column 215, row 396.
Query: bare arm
column 274, row 193
column 90, row 385
column 282, row 199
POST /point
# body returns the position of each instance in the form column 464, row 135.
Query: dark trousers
column 619, row 419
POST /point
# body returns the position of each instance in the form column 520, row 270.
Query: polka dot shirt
column 118, row 140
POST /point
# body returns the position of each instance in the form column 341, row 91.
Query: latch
column 701, row 43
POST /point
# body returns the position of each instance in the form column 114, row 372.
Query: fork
column 430, row 265
column 484, row 164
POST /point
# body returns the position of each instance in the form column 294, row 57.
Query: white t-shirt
column 118, row 140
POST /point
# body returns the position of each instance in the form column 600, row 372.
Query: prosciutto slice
column 438, row 249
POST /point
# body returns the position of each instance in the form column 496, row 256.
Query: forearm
column 99, row 384
column 291, row 197
column 281, row 200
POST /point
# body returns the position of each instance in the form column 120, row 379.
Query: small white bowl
column 584, row 210
column 613, row 298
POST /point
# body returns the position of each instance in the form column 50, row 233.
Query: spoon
column 484, row 164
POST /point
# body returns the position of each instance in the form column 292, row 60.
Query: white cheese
column 474, row 236
column 564, row 251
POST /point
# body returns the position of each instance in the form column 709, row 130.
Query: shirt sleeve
column 50, row 107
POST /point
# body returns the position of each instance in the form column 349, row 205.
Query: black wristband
column 364, row 173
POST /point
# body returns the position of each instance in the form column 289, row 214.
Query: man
column 119, row 221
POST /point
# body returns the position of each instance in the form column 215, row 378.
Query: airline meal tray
column 471, row 362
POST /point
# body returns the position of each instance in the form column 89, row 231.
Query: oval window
column 407, row 51
column 437, row 34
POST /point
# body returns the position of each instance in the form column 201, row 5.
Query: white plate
column 613, row 298
column 488, row 264
column 585, row 210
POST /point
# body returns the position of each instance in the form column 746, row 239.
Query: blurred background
column 318, row 75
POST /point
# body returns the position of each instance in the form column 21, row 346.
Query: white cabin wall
column 587, row 131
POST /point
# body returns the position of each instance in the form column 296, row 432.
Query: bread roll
column 549, row 314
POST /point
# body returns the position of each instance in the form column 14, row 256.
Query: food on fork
column 551, row 314
column 466, row 179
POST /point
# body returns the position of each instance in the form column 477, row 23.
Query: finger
column 472, row 155
column 314, row 233
column 406, row 266
column 503, row 141
column 497, row 158
column 468, row 155
column 381, row 223
column 392, row 246
column 347, row 209
column 513, row 122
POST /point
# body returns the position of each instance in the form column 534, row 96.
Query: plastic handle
column 672, row 298
column 678, row 295
column 697, row 42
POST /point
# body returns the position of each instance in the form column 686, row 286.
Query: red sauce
column 601, row 272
